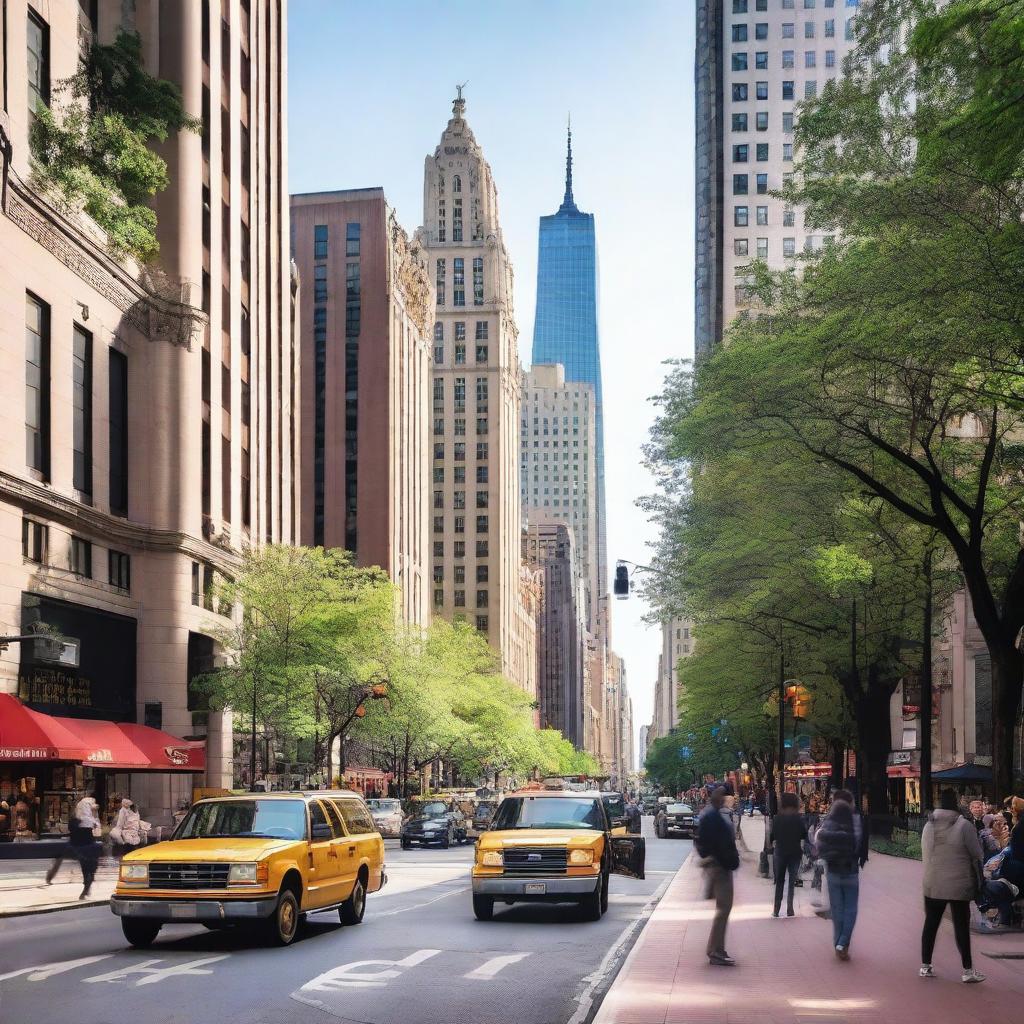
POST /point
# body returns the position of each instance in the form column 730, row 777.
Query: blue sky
column 371, row 85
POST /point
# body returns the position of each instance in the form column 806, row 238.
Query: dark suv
column 435, row 822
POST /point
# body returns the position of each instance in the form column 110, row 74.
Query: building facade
column 562, row 690
column 150, row 416
column 755, row 61
column 558, row 465
column 676, row 643
column 475, row 400
column 365, row 329
column 642, row 746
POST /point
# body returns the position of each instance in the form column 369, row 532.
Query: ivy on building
column 96, row 150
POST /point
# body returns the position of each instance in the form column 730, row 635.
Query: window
column 482, row 499
column 439, row 331
column 810, row 89
column 740, row 153
column 740, row 247
column 438, row 597
column 459, row 548
column 761, row 60
column 762, row 248
column 481, row 623
column 808, row 30
column 459, row 451
column 481, row 599
column 460, row 330
column 320, row 282
column 82, row 409
column 482, row 549
column 787, row 151
column 439, row 426
column 34, row 539
column 438, row 574
column 762, row 121
column 848, row 33
column 481, row 353
column 762, row 151
column 80, row 557
column 481, row 425
column 787, row 5
column 481, row 524
column 37, row 385
column 739, row 6
column 352, row 239
column 478, row 281
column 481, row 330
column 460, row 524
column 456, row 183
column 762, row 215
column 481, row 451
column 481, row 474
column 438, row 524
column 481, row 394
column 460, row 599
column 741, row 216
column 739, row 62
column 739, row 122
column 459, row 474
column 460, row 355
column 809, row 5
column 761, row 30
column 762, row 184
column 788, row 30
column 739, row 33
column 459, row 281
column 810, row 59
column 439, row 354
column 439, row 282
column 787, row 121
column 789, row 247
column 788, row 59
column 320, row 241
column 481, row 574
column 38, row 53
column 439, row 549
column 120, row 570
column 439, row 474
column 438, row 499
column 739, row 184
column 760, row 5
column 739, row 92
column 353, row 306
column 762, row 90
column 830, row 58
column 457, row 218
column 787, row 90
column 788, row 218
column 830, row 30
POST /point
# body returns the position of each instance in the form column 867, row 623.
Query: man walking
column 716, row 844
column 787, row 838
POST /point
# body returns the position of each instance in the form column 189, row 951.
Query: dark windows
column 761, row 30
column 353, row 310
column 352, row 239
column 120, row 570
column 739, row 122
column 320, row 282
column 481, row 474
column 481, row 623
column 37, row 385
column 80, row 557
column 739, row 92
column 481, row 599
column 481, row 451
column 481, row 524
column 762, row 215
column 787, row 90
column 38, row 54
column 459, row 281
column 439, row 282
column 482, row 499
column 739, row 62
column 460, row 330
column 320, row 241
column 481, row 330
column 81, row 384
column 761, row 60
column 460, row 354
column 762, row 151
column 741, row 216
column 481, row 573
column 34, row 539
column 741, row 246
column 481, row 353
column 482, row 549
column 739, row 184
column 118, row 391
column 460, row 599
column 762, row 184
column 740, row 153
column 739, row 6
column 457, row 218
column 478, row 281
column 739, row 33
column 197, row 584
column 762, row 90
column 761, row 123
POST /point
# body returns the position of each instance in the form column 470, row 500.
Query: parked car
column 650, row 801
column 482, row 814
column 552, row 846
column 675, row 819
column 435, row 822
column 262, row 860
column 615, row 806
column 387, row 816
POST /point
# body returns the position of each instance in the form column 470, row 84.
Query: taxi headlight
column 248, row 874
column 134, row 872
column 492, row 859
column 578, row 857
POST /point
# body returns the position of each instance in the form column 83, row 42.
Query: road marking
column 44, row 971
column 487, row 970
column 349, row 976
column 425, row 903
column 155, row 974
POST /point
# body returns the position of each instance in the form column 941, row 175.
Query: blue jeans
column 843, row 890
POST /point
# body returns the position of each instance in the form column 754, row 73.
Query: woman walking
column 839, row 846
column 952, row 875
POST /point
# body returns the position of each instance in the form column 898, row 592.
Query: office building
column 365, row 327
column 676, row 643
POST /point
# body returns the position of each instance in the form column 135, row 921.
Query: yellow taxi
column 260, row 859
column 552, row 846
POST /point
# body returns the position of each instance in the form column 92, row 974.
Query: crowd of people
column 972, row 853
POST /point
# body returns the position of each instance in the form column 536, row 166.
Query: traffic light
column 621, row 588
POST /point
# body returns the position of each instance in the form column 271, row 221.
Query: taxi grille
column 174, row 875
column 535, row 860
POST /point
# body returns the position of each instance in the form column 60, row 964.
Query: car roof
column 586, row 794
column 294, row 794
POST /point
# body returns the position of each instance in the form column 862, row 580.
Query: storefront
column 808, row 780
column 371, row 782
column 48, row 763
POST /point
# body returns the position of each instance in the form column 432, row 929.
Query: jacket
column 788, row 834
column 838, row 845
column 715, row 839
column 951, row 853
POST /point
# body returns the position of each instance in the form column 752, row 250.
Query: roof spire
column 459, row 106
column 568, row 203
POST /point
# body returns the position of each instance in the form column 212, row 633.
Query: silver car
column 387, row 816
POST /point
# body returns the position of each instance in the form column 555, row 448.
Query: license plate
column 535, row 888
column 184, row 910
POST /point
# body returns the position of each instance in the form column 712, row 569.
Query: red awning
column 27, row 735
column 903, row 771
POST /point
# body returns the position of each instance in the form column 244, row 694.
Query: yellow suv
column 553, row 846
column 262, row 859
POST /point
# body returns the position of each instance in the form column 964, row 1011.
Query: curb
column 77, row 905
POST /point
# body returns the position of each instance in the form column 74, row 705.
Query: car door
column 626, row 855
column 325, row 865
column 363, row 845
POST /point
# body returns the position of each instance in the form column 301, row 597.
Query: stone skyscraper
column 476, row 521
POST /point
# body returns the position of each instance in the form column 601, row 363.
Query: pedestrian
column 716, row 845
column 839, row 839
column 633, row 817
column 81, row 844
column 787, row 838
column 951, row 853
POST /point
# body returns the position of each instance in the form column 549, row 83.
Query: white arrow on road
column 487, row 970
column 350, row 976
column 44, row 971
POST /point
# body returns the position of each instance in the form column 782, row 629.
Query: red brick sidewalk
column 787, row 972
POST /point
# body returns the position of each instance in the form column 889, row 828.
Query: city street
column 418, row 958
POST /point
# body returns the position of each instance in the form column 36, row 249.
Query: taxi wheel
column 283, row 924
column 483, row 907
column 352, row 910
column 592, row 904
column 140, row 933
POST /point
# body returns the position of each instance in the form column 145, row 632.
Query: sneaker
column 721, row 960
column 972, row 977
column 842, row 953
column 926, row 971
column 775, row 913
column 791, row 912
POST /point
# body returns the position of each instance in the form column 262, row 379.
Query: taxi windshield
column 383, row 806
column 679, row 809
column 244, row 819
column 518, row 812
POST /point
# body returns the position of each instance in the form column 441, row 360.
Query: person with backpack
column 841, row 840
column 951, row 853
column 716, row 844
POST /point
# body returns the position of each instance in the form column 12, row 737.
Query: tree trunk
column 874, row 741
column 1007, row 678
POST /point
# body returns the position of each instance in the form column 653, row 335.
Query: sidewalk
column 23, row 888
column 787, row 972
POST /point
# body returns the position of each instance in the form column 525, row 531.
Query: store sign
column 100, row 756
column 38, row 685
column 177, row 755
column 27, row 754
column 900, row 757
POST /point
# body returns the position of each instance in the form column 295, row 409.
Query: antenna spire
column 568, row 203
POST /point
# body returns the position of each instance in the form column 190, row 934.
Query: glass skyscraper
column 565, row 326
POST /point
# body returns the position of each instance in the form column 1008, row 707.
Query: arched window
column 456, row 183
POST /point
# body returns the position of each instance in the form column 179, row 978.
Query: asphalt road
column 419, row 957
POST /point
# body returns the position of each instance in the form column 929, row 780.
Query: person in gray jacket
column 952, row 874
